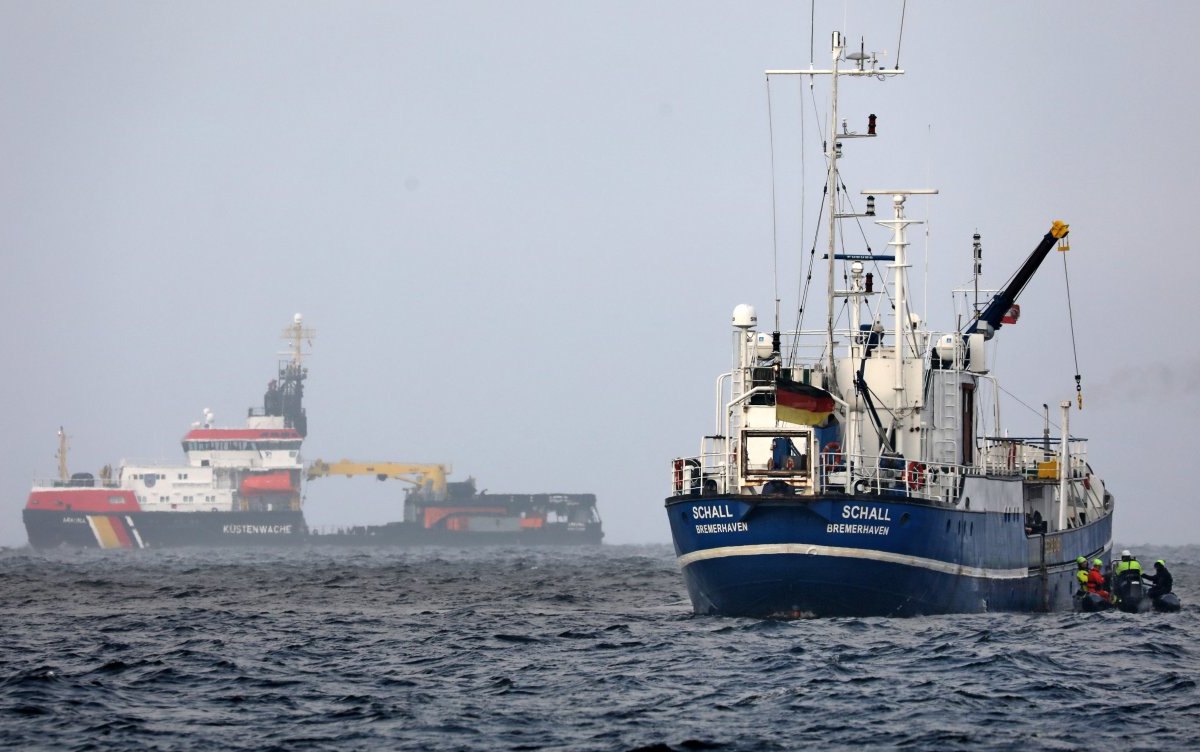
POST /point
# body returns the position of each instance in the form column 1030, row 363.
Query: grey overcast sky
column 519, row 228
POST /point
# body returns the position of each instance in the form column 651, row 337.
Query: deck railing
column 76, row 483
column 835, row 471
column 1033, row 458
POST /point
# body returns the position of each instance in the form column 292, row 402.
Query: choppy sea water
column 549, row 649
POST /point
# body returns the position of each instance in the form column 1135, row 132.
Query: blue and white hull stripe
column 808, row 549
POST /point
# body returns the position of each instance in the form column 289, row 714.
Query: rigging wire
column 804, row 286
column 909, row 333
column 812, row 262
column 1021, row 402
column 1071, row 317
column 881, row 407
column 928, row 215
column 866, row 241
column 818, row 119
column 841, row 240
column 817, row 116
column 774, row 207
column 803, row 185
column 900, row 39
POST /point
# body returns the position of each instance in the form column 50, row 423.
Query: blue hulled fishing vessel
column 860, row 469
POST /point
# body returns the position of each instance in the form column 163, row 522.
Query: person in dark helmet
column 1161, row 581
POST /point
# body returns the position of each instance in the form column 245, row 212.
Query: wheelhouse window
column 776, row 451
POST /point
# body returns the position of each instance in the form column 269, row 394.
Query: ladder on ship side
column 943, row 449
column 735, row 418
column 949, row 425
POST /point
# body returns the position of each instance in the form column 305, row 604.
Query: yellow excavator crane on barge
column 430, row 479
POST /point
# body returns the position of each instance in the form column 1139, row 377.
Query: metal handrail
column 52, row 483
column 882, row 474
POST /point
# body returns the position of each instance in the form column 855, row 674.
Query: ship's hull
column 870, row 556
column 408, row 534
column 53, row 528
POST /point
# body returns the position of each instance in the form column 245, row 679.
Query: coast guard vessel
column 239, row 486
column 243, row 486
column 860, row 469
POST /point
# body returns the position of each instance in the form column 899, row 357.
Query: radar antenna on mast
column 297, row 335
column 285, row 395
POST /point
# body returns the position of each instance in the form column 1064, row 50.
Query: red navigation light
column 870, row 125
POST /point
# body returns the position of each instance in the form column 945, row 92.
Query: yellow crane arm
column 432, row 477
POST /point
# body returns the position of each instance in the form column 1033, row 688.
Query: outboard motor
column 1131, row 593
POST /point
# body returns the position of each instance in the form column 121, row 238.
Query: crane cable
column 1063, row 247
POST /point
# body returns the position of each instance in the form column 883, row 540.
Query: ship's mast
column 902, row 325
column 861, row 68
column 296, row 335
column 831, row 191
column 287, row 397
column 63, row 474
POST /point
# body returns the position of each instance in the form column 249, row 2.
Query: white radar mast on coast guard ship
column 239, row 486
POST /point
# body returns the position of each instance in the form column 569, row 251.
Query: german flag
column 801, row 404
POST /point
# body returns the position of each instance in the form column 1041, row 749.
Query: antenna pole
column 1064, row 464
column 902, row 321
column 831, row 188
column 63, row 474
column 978, row 250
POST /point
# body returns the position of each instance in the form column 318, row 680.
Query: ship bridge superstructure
column 906, row 412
